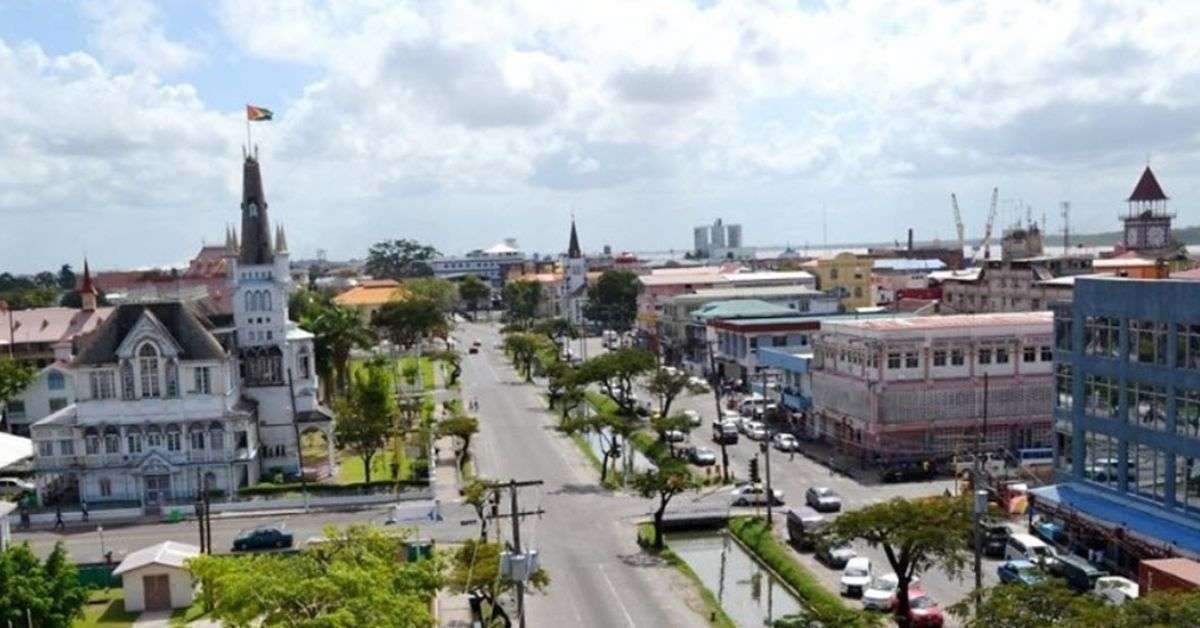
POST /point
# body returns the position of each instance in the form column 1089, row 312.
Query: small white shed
column 155, row 579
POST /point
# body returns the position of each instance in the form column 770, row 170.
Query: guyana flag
column 255, row 114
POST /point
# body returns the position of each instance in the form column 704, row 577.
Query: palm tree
column 337, row 331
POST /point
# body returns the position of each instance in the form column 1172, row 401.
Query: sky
column 459, row 123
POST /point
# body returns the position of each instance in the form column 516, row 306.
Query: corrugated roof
column 741, row 308
column 188, row 329
column 929, row 323
column 377, row 294
column 52, row 324
column 767, row 275
column 900, row 263
column 167, row 553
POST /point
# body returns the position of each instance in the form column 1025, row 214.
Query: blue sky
column 462, row 122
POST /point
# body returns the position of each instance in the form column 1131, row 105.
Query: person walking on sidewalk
column 84, row 509
column 58, row 520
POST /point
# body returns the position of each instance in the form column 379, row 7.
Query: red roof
column 1148, row 188
column 87, row 287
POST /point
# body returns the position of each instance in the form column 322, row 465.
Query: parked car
column 803, row 527
column 702, row 456
column 880, row 595
column 15, row 487
column 1027, row 547
column 725, row 434
column 785, row 442
column 908, row 472
column 1080, row 575
column 1049, row 530
column 856, row 575
column 675, row 436
column 823, row 499
column 697, row 382
column 1116, row 589
column 923, row 611
column 755, row 430
column 993, row 464
column 477, row 343
column 995, row 536
column 755, row 495
column 693, row 418
column 1019, row 571
column 266, row 536
column 834, row 556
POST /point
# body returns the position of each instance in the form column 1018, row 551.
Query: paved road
column 586, row 538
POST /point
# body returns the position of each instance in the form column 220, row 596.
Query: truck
column 1168, row 574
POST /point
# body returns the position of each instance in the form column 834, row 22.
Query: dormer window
column 148, row 369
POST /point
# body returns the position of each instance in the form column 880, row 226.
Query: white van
column 1030, row 548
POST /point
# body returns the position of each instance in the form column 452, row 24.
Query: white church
column 168, row 400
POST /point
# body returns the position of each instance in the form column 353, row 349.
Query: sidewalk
column 452, row 610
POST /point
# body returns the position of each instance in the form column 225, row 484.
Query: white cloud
column 128, row 33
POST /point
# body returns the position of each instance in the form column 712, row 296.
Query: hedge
column 824, row 604
column 267, row 488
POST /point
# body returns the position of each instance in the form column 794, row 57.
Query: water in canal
column 750, row 595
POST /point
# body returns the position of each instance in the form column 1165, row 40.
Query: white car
column 880, row 595
column 14, row 487
column 1116, row 589
column 693, row 417
column 756, row 431
column 785, row 442
column 754, row 495
column 856, row 576
column 675, row 436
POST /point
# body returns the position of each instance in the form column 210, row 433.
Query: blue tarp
column 1112, row 511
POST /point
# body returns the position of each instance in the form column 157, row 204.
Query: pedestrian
column 25, row 516
column 831, row 465
column 791, row 455
column 83, row 509
column 58, row 520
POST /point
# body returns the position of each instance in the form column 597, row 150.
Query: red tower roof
column 1147, row 188
column 87, row 287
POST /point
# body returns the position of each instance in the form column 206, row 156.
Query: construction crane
column 986, row 245
column 958, row 223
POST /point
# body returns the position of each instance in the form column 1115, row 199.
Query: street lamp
column 103, row 554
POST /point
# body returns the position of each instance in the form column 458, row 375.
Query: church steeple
column 87, row 289
column 256, row 228
column 573, row 250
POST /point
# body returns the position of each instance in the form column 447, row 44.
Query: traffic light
column 754, row 479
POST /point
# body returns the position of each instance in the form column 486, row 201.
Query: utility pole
column 765, row 446
column 200, row 511
column 512, row 485
column 980, row 498
column 718, row 420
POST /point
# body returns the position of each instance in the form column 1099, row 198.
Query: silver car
column 823, row 499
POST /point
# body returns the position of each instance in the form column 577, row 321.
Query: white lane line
column 628, row 617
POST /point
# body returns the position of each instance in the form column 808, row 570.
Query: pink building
column 913, row 388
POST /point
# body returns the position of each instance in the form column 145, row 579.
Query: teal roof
column 742, row 308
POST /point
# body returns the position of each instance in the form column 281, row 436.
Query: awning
column 1117, row 513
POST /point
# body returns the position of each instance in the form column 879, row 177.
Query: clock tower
column 1148, row 223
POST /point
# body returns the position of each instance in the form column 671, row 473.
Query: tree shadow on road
column 642, row 559
column 578, row 489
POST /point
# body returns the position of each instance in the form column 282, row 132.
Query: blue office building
column 1127, row 419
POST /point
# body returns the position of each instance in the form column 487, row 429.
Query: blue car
column 1021, row 571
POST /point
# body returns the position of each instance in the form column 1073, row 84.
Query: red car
column 923, row 610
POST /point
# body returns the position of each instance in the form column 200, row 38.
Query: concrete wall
column 132, row 584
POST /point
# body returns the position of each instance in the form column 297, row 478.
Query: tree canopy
column 49, row 590
column 474, row 291
column 336, row 331
column 615, row 372
column 474, row 570
column 521, row 299
column 14, row 377
column 400, row 259
column 612, row 300
column 407, row 321
column 461, row 427
column 367, row 414
column 524, row 348
column 666, row 385
column 1051, row 603
column 352, row 579
column 670, row 478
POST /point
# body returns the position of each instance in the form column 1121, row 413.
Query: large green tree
column 366, row 414
column 66, row 278
column 336, row 331
column 49, row 591
column 667, row 384
column 1051, row 603
column 442, row 292
column 461, row 427
column 14, row 378
column 916, row 535
column 521, row 300
column 557, row 329
column 409, row 320
column 670, row 478
column 474, row 291
column 351, row 579
column 616, row 372
column 523, row 348
column 400, row 259
column 612, row 300
column 610, row 431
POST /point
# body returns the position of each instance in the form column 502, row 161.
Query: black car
column 908, row 473
column 995, row 537
column 262, row 537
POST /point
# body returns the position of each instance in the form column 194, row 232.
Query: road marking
column 611, row 587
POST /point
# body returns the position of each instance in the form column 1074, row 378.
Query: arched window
column 55, row 381
column 128, row 391
column 148, row 367
column 172, row 379
column 216, row 435
column 248, row 297
column 266, row 301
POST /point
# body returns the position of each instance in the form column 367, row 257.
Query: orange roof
column 371, row 294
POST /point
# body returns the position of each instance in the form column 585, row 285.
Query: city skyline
column 460, row 124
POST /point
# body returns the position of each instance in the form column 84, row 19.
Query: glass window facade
column 1101, row 336
column 1147, row 405
column 1187, row 413
column 1187, row 346
column 1101, row 396
column 1064, row 394
column 1147, row 342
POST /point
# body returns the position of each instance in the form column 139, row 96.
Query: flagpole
column 248, row 145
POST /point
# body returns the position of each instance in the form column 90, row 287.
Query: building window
column 1150, row 471
column 134, row 443
column 66, row 447
column 1187, row 346
column 833, row 274
column 1187, row 413
column 1101, row 336
column 1147, row 342
column 91, row 444
column 1064, row 457
column 105, row 487
column 112, row 441
column 1062, row 332
column 216, row 437
column 196, row 439
column 1147, row 405
column 45, row 448
column 202, row 380
column 1187, row 483
column 985, row 356
column 102, row 384
column 1100, row 396
column 128, row 392
column 15, row 408
column 173, row 440
column 1064, row 396
column 55, row 381
column 1001, row 356
column 1029, row 354
column 148, row 368
column 57, row 403
column 1101, row 464
column 893, row 361
column 911, row 361
column 939, row 357
column 172, row 379
column 1047, row 353
column 303, row 366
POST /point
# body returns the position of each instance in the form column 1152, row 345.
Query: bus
column 1035, row 457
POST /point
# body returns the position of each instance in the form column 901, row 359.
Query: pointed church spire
column 256, row 235
column 1147, row 188
column 87, row 289
column 280, row 240
column 573, row 250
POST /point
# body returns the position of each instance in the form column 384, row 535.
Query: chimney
column 910, row 243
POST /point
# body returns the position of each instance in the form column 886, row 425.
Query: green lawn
column 351, row 470
column 106, row 608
